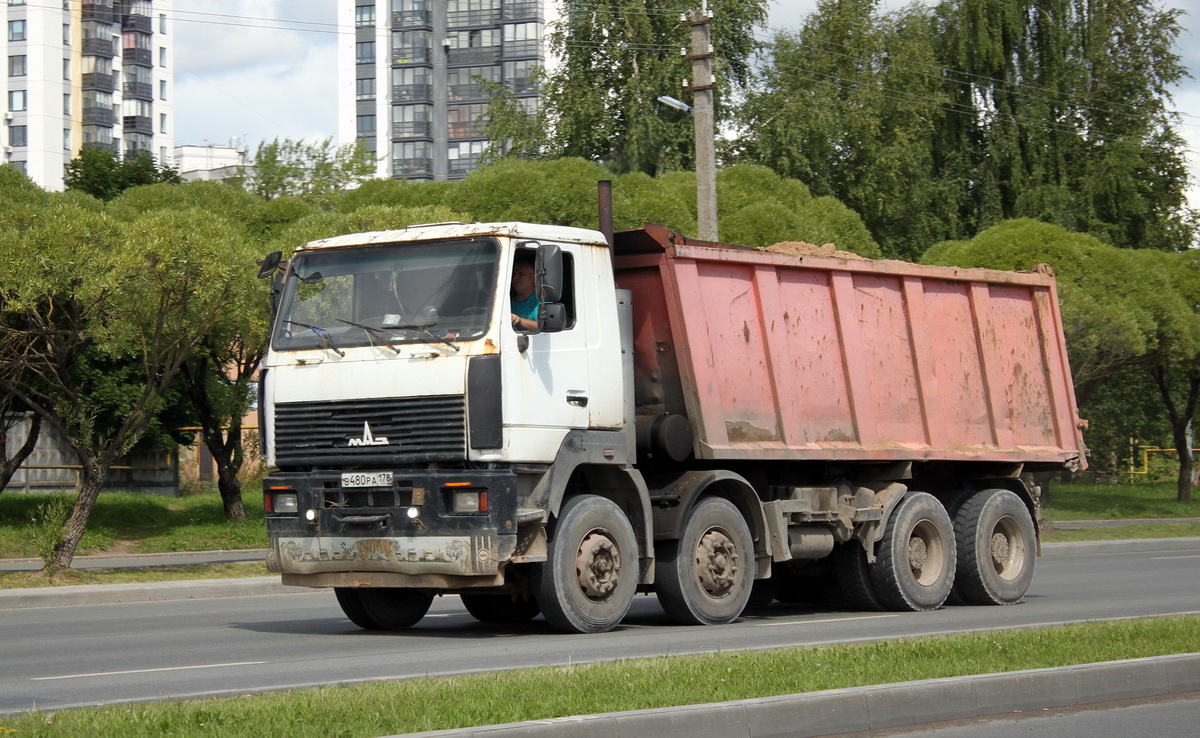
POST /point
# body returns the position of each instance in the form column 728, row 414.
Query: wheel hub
column 598, row 565
column 918, row 553
column 1000, row 550
column 717, row 563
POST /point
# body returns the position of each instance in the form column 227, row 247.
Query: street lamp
column 677, row 104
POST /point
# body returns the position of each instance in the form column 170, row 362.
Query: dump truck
column 718, row 425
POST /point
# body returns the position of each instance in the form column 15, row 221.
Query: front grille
column 400, row 495
column 414, row 428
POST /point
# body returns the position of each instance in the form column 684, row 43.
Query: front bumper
column 409, row 529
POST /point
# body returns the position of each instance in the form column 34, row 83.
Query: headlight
column 283, row 503
column 470, row 501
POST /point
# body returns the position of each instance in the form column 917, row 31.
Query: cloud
column 255, row 69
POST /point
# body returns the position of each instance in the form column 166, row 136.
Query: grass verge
column 137, row 523
column 529, row 694
column 1123, row 533
column 31, row 579
column 1116, row 501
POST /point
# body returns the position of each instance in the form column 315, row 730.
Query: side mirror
column 548, row 271
column 269, row 264
column 552, row 317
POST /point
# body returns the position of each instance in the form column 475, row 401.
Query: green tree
column 217, row 378
column 617, row 57
column 319, row 170
column 103, row 174
column 20, row 205
column 935, row 122
column 88, row 288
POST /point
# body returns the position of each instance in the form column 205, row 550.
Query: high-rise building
column 413, row 77
column 86, row 73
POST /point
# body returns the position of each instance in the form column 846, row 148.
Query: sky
column 252, row 70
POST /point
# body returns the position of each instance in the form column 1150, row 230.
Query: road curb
column 111, row 594
column 877, row 707
column 1139, row 545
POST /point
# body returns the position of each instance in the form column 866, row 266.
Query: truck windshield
column 431, row 292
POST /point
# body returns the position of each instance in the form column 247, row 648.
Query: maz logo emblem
column 368, row 438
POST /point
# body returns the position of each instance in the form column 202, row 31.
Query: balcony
column 96, row 116
column 141, row 23
column 98, row 81
column 113, row 147
column 471, row 91
column 412, row 19
column 99, row 10
column 463, row 129
column 422, row 93
column 529, row 49
column 411, row 168
column 472, row 18
column 138, row 57
column 138, row 124
column 521, row 10
column 463, row 166
column 99, row 47
column 411, row 129
column 410, row 55
column 138, row 90
column 521, row 87
column 475, row 56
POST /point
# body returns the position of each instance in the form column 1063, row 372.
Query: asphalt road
column 58, row 657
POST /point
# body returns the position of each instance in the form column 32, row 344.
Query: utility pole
column 703, row 117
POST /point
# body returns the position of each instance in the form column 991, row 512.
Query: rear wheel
column 501, row 608
column 384, row 608
column 705, row 577
column 997, row 547
column 914, row 569
column 854, row 578
column 591, row 571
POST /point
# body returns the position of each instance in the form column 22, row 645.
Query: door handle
column 577, row 399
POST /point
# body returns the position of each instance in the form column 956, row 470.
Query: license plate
column 367, row 479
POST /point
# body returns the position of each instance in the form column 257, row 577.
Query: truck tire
column 501, row 608
column 384, row 608
column 705, row 577
column 914, row 569
column 854, row 578
column 591, row 572
column 997, row 548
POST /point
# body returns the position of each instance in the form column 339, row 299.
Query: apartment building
column 410, row 71
column 85, row 73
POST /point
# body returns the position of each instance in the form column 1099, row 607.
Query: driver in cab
column 524, row 302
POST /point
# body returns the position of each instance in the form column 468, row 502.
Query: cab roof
column 446, row 231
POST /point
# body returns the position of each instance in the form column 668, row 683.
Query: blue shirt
column 527, row 308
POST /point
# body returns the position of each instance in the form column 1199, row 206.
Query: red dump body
column 775, row 356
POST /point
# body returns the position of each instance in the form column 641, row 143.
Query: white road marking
column 146, row 671
column 824, row 620
column 1163, row 558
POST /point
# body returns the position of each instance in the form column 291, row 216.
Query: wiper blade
column 425, row 329
column 321, row 334
column 370, row 330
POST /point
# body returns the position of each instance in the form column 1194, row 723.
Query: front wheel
column 914, row 569
column 997, row 547
column 705, row 577
column 590, row 575
column 384, row 608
